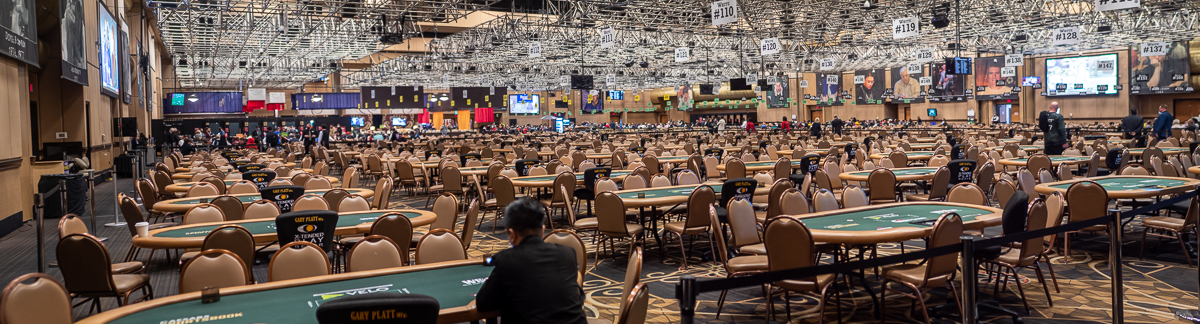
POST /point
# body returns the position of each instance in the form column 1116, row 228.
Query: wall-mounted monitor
column 616, row 95
column 399, row 121
column 1030, row 81
column 358, row 121
column 110, row 81
column 1082, row 75
column 932, row 112
column 524, row 104
column 1154, row 74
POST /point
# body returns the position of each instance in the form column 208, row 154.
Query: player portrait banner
column 19, row 27
column 123, row 59
column 906, row 84
column 778, row 94
column 991, row 83
column 869, row 87
column 1159, row 67
column 72, row 32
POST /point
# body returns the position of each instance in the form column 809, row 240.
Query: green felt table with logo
column 185, row 186
column 263, row 230
column 668, row 196
column 1127, row 187
column 911, row 155
column 902, row 174
column 548, row 180
column 183, row 204
column 892, row 222
column 1054, row 159
column 454, row 285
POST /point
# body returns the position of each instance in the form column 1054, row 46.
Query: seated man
column 533, row 282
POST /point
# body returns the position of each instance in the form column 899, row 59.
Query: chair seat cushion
column 583, row 223
column 748, row 263
column 678, row 227
column 760, row 249
column 1164, row 222
column 128, row 282
column 806, row 285
column 436, row 188
column 917, row 197
column 630, row 230
column 127, row 267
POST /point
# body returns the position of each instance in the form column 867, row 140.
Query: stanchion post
column 1118, row 284
column 91, row 180
column 39, row 212
column 687, row 298
column 62, row 195
column 970, row 281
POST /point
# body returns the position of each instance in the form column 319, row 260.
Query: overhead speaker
column 940, row 21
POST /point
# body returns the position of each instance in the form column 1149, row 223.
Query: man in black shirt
column 837, row 124
column 1132, row 126
column 1055, row 131
column 534, row 281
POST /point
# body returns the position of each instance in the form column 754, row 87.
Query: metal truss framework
column 286, row 44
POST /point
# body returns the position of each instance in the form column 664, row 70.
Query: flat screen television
column 708, row 89
column 110, row 81
column 524, row 104
column 616, row 95
column 1030, row 81
column 561, row 104
column 1082, row 75
column 358, row 121
column 958, row 65
column 932, row 112
column 582, row 82
column 399, row 121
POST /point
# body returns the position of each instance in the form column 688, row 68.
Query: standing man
column 721, row 125
column 1132, row 127
column 1162, row 125
column 1055, row 131
column 837, row 124
column 815, row 129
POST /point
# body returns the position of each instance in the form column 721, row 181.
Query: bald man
column 1055, row 131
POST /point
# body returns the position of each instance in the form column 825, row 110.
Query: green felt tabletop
column 452, row 287
column 1059, row 158
column 190, row 184
column 267, row 226
column 673, row 159
column 250, row 198
column 666, row 192
column 890, row 217
column 1164, row 149
column 901, row 171
column 578, row 177
column 1131, row 183
column 918, row 153
column 768, row 163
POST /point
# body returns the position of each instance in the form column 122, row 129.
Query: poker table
column 761, row 166
column 1166, row 151
column 183, row 204
column 916, row 146
column 902, row 174
column 1054, row 159
column 188, row 175
column 263, row 229
column 666, row 196
column 454, row 285
column 926, row 139
column 1026, row 148
column 892, row 222
column 185, row 186
column 223, row 168
column 548, row 180
column 911, row 155
column 1127, row 187
column 788, row 153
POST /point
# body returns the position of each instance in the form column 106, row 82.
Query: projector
column 391, row 38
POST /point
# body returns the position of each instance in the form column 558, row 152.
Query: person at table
column 815, row 129
column 1055, row 131
column 1162, row 124
column 534, row 281
column 1132, row 128
column 837, row 124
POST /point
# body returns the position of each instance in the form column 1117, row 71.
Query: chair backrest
column 35, row 291
column 961, row 170
column 261, row 208
column 742, row 223
column 334, row 197
column 792, row 202
column 967, row 193
column 203, row 213
column 1004, row 190
column 85, row 264
column 687, row 177
column 468, row 232
column 297, row 260
column 440, row 245
column 854, row 196
column 633, row 181
column 301, row 179
column 213, row 268
column 883, row 184
column 1087, row 200
column 446, row 208
column 633, row 274
column 352, row 203
column 898, row 159
column 789, row 244
column 242, row 187
column 203, row 189
column 319, row 183
column 73, row 224
column 1044, row 176
column 735, row 168
column 660, row 180
column 313, row 226
column 1028, row 182
column 232, row 238
column 310, row 202
column 565, row 179
column 570, row 239
column 947, row 230
column 375, row 252
column 383, row 193
column 610, row 213
column 824, row 200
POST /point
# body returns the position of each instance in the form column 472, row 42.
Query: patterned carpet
column 1153, row 285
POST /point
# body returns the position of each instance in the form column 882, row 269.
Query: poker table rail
column 1177, row 185
column 455, row 314
column 196, row 240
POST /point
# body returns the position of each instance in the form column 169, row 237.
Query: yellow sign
column 401, row 99
column 637, row 97
column 666, row 97
column 468, row 102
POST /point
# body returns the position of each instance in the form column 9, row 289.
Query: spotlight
column 629, row 64
column 940, row 21
column 643, row 64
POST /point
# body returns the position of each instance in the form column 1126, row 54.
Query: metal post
column 91, row 180
column 62, row 195
column 970, row 280
column 1118, row 284
column 39, row 204
column 687, row 299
